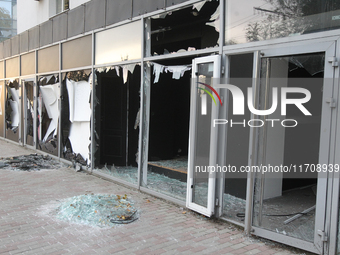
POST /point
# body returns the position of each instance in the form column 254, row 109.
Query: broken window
column 192, row 28
column 13, row 110
column 48, row 94
column 117, row 109
column 76, row 116
column 169, row 113
column 285, row 202
column 28, row 113
column 249, row 21
column 2, row 109
column 119, row 44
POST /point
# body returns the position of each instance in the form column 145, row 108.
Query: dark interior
column 184, row 28
column 169, row 114
column 117, row 105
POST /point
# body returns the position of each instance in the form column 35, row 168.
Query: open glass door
column 290, row 196
column 203, row 136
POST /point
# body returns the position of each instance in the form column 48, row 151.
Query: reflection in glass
column 2, row 108
column 257, row 20
column 48, row 113
column 279, row 196
column 8, row 14
column 76, row 116
column 29, row 112
column 12, row 110
column 119, row 44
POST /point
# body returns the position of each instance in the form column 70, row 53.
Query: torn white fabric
column 15, row 95
column 117, row 70
column 50, row 95
column 177, row 71
column 215, row 20
column 15, row 117
column 79, row 95
column 126, row 70
column 157, row 70
column 80, row 138
column 199, row 5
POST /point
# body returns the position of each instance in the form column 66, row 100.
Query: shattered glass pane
column 258, row 20
column 13, row 120
column 76, row 91
column 117, row 118
column 48, row 114
column 98, row 210
column 168, row 133
column 192, row 28
column 29, row 112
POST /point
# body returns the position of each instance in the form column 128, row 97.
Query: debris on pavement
column 98, row 210
column 32, row 162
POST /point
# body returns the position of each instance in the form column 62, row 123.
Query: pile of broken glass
column 102, row 210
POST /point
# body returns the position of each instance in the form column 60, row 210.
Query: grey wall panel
column 94, row 14
column 45, row 33
column 24, row 42
column 15, row 45
column 1, row 50
column 75, row 21
column 145, row 6
column 59, row 27
column 7, row 48
column 173, row 2
column 118, row 10
column 33, row 38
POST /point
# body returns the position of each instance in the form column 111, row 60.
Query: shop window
column 28, row 64
column 13, row 103
column 12, row 67
column 192, row 28
column 48, row 113
column 249, row 21
column 2, row 108
column 48, row 59
column 166, row 167
column 117, row 111
column 119, row 44
column 77, row 53
column 76, row 116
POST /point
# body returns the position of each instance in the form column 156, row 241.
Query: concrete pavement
column 28, row 225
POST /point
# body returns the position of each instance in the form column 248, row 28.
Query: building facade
column 227, row 107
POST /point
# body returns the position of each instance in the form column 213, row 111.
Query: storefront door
column 293, row 145
column 203, row 138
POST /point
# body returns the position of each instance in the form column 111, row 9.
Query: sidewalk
column 27, row 225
